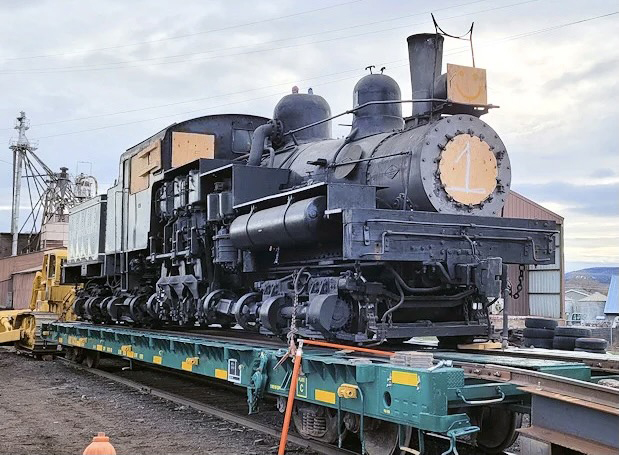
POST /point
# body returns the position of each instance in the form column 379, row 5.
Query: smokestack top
column 425, row 55
column 424, row 36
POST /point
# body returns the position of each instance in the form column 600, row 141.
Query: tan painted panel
column 468, row 169
column 144, row 163
column 187, row 147
column 466, row 85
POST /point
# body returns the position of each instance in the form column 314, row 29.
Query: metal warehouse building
column 543, row 286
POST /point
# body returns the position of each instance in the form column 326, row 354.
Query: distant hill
column 591, row 279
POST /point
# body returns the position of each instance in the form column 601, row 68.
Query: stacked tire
column 565, row 337
column 539, row 332
column 595, row 345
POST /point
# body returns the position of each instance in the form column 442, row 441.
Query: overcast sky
column 97, row 77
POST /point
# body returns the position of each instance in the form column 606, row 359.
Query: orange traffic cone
column 100, row 445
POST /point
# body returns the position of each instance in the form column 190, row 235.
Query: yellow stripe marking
column 187, row 366
column 325, row 396
column 405, row 378
column 221, row 374
column 157, row 359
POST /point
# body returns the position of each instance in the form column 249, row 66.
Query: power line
column 109, row 66
column 203, row 32
column 194, row 100
column 507, row 38
column 296, row 37
column 127, row 64
column 278, row 94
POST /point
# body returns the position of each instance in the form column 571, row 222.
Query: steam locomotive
column 272, row 225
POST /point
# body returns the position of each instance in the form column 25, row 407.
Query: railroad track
column 212, row 410
column 198, row 386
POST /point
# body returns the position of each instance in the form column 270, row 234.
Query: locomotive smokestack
column 425, row 56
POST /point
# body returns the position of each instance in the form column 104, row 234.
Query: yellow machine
column 50, row 301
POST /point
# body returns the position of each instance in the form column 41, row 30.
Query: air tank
column 300, row 109
column 377, row 118
column 299, row 223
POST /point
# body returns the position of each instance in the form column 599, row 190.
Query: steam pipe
column 257, row 143
column 399, row 280
column 425, row 56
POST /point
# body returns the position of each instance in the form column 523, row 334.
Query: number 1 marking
column 467, row 173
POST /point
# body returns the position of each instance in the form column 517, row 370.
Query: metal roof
column 612, row 301
column 595, row 297
column 518, row 206
column 578, row 291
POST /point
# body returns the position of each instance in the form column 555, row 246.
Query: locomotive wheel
column 383, row 438
column 497, row 428
column 152, row 306
column 243, row 311
column 136, row 308
column 208, row 307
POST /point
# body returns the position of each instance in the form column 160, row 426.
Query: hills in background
column 591, row 279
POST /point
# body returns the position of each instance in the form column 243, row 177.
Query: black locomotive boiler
column 392, row 232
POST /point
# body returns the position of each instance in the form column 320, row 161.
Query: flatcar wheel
column 497, row 428
column 92, row 359
column 383, row 438
column 70, row 354
column 80, row 355
column 315, row 422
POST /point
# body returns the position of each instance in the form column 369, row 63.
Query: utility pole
column 19, row 148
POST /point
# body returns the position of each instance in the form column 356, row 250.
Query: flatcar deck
column 428, row 391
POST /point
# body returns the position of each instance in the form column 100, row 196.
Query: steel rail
column 597, row 362
column 587, row 394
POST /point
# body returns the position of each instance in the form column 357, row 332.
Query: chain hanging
column 516, row 295
column 292, row 333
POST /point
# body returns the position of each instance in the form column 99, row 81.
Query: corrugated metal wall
column 22, row 289
column 543, row 285
column 11, row 265
column 545, row 293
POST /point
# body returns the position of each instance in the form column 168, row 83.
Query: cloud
column 600, row 200
column 602, row 173
column 583, row 74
